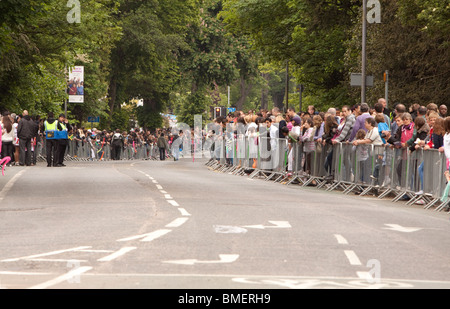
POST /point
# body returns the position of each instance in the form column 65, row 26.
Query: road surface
column 180, row 225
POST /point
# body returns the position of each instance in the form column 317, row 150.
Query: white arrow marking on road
column 276, row 225
column 228, row 229
column 224, row 258
column 399, row 228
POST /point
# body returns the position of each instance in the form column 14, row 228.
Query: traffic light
column 217, row 112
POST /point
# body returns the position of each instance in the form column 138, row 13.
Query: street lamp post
column 363, row 54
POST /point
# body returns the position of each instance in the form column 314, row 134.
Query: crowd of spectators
column 409, row 128
column 404, row 127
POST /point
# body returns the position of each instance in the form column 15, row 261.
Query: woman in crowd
column 7, row 139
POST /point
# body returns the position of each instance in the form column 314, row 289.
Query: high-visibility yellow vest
column 50, row 129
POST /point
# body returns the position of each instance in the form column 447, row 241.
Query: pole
column 300, row 92
column 386, row 87
column 287, row 85
column 228, row 96
column 363, row 56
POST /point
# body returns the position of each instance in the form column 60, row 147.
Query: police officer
column 50, row 126
column 63, row 126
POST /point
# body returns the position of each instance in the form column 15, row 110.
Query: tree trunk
column 112, row 98
column 244, row 91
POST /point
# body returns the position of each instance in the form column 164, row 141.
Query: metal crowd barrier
column 86, row 151
column 363, row 169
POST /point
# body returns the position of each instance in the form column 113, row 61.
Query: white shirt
column 447, row 145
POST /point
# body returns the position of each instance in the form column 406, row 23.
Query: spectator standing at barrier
column 372, row 137
column 420, row 136
column 309, row 145
column 162, row 145
column 362, row 154
column 281, row 121
column 17, row 119
column 51, row 144
column 345, row 128
column 7, row 139
column 407, row 129
column 443, row 110
column 34, row 139
column 360, row 120
column 25, row 132
column 386, row 109
column 330, row 130
column 63, row 127
column 399, row 110
column 379, row 109
column 117, row 144
column 420, row 133
column 447, row 142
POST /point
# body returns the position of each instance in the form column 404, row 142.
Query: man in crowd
column 25, row 132
column 63, row 126
column 162, row 145
column 51, row 144
column 360, row 120
column 117, row 143
column 443, row 110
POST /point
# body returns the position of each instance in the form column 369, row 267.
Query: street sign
column 356, row 80
column 231, row 109
column 93, row 119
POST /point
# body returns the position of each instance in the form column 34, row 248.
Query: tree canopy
column 182, row 55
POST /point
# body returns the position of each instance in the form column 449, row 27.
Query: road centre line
column 66, row 277
column 352, row 257
column 184, row 212
column 173, row 203
column 177, row 222
column 340, row 239
column 116, row 254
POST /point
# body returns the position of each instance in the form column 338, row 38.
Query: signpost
column 372, row 16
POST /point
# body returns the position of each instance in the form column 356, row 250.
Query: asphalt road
column 180, row 225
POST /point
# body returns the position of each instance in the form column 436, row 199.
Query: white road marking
column 46, row 254
column 10, row 184
column 223, row 258
column 163, row 192
column 116, row 254
column 340, row 239
column 399, row 228
column 173, row 203
column 58, row 260
column 228, row 229
column 154, row 181
column 184, row 212
column 148, row 236
column 159, row 187
column 364, row 275
column 276, row 224
column 20, row 273
column 177, row 222
column 167, row 196
column 71, row 274
column 352, row 257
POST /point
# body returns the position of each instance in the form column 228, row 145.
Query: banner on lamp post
column 75, row 85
